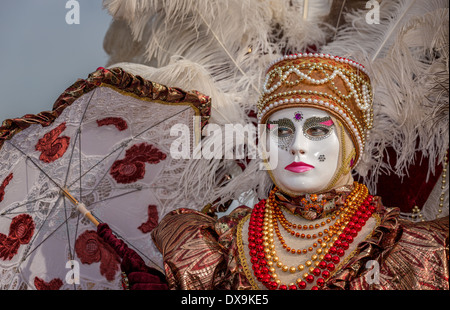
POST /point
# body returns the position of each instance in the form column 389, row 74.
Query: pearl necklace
column 357, row 209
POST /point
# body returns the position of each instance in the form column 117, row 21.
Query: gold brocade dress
column 204, row 253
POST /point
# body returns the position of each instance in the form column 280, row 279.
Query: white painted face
column 307, row 146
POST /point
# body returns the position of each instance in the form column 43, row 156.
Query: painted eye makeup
column 318, row 128
column 283, row 130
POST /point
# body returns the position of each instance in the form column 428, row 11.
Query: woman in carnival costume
column 329, row 122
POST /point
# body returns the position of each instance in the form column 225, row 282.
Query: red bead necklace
column 357, row 209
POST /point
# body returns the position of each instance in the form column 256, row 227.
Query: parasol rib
column 9, row 210
column 63, row 190
column 35, row 164
column 27, row 252
column 81, row 207
column 78, row 137
column 125, row 143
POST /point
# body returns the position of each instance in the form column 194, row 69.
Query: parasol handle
column 81, row 207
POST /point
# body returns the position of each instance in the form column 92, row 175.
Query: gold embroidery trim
column 242, row 257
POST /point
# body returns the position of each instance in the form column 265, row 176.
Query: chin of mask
column 307, row 147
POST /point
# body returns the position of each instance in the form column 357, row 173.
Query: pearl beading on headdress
column 321, row 55
column 353, row 108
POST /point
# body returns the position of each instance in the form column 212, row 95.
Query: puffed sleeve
column 406, row 255
column 195, row 248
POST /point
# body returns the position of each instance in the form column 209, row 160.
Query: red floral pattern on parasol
column 92, row 249
column 3, row 186
column 118, row 122
column 132, row 167
column 20, row 232
column 53, row 285
column 52, row 146
column 152, row 220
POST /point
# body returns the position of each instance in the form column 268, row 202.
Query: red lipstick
column 298, row 167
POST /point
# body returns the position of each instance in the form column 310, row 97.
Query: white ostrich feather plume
column 407, row 55
column 222, row 48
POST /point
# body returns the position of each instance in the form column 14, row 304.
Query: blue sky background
column 41, row 55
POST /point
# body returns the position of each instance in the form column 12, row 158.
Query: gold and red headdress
column 336, row 85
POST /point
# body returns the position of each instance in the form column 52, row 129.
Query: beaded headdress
column 336, row 85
